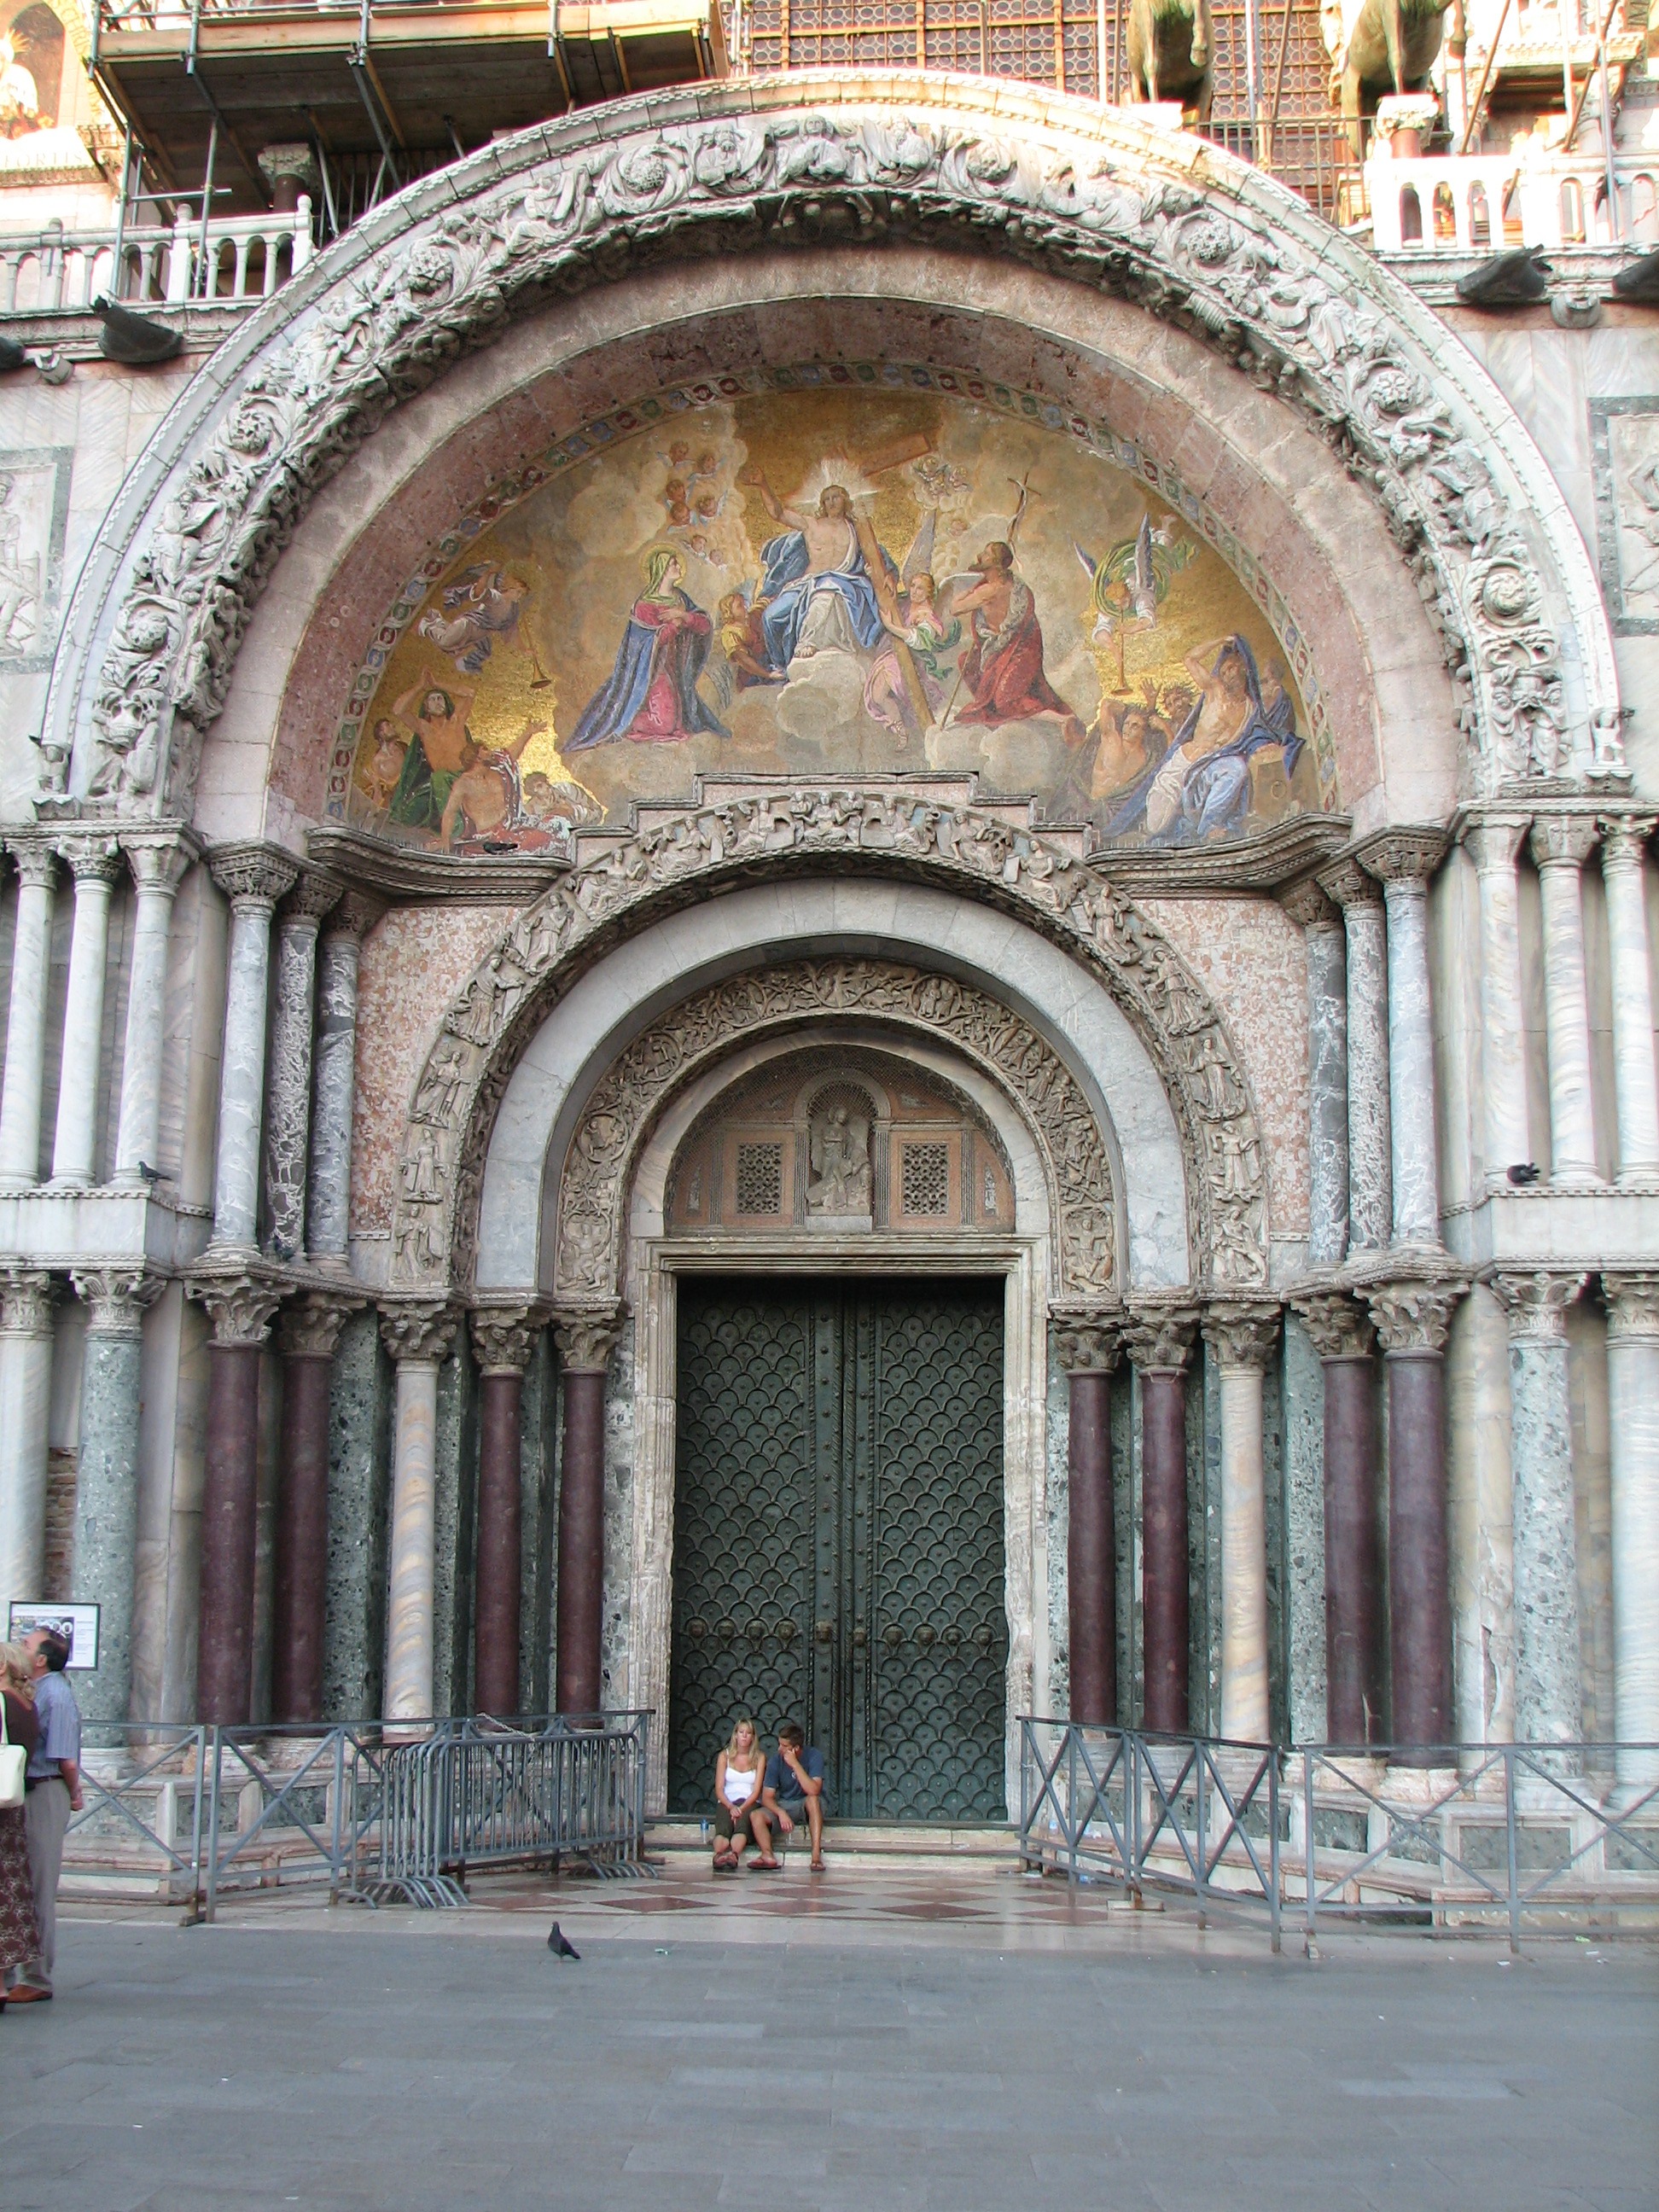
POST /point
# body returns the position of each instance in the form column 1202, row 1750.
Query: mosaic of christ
column 834, row 583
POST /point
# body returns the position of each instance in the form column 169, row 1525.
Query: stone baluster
column 1160, row 1340
column 288, row 1131
column 1549, row 1699
column 1560, row 846
column 586, row 1342
column 253, row 877
column 1341, row 1336
column 158, row 863
column 1369, row 1137
column 240, row 1307
column 25, row 1401
column 25, row 1024
column 105, row 1567
column 328, row 1218
column 1493, row 841
column 1242, row 1337
column 308, row 1336
column 502, row 1337
column 418, row 1337
column 1412, row 1320
column 1321, row 923
column 1623, row 844
column 95, row 860
column 1634, row 1432
column 1089, row 1346
column 1403, row 860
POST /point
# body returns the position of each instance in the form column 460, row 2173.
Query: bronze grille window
column 760, row 1179
column 926, row 1179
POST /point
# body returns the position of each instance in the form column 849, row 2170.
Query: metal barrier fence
column 1464, row 1836
column 192, row 1814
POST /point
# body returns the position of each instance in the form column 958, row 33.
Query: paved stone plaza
column 936, row 2043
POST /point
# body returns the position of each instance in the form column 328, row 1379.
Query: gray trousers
column 45, row 1822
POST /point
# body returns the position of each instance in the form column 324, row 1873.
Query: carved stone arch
column 881, row 830
column 631, row 1098
column 1167, row 221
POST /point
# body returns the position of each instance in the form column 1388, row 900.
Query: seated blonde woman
column 739, row 1776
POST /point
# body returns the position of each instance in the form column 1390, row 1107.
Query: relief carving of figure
column 841, row 1163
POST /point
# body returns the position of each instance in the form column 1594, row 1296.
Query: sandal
column 725, row 1863
column 765, row 1866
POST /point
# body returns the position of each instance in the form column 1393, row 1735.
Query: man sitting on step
column 793, row 1790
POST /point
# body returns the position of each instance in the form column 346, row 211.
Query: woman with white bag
column 20, row 1939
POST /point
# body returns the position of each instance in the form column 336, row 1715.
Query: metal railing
column 1464, row 1836
column 191, row 1814
column 244, row 259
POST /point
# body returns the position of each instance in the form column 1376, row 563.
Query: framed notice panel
column 77, row 1623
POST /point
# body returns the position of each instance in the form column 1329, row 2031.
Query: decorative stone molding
column 1087, row 1343
column 1337, row 1324
column 310, row 1328
column 676, row 857
column 252, row 875
column 1633, row 1305
column 1158, row 1335
column 118, row 1297
column 587, row 1340
column 503, row 1337
column 631, row 1095
column 904, row 160
column 1409, row 854
column 420, row 1332
column 240, row 1305
column 94, row 856
column 1536, row 1303
column 1241, row 1332
column 26, row 1301
column 1564, row 839
column 1413, row 1317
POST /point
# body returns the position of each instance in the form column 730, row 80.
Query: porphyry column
column 288, row 1127
column 1160, row 1340
column 1321, row 923
column 1559, row 846
column 328, row 1214
column 586, row 1342
column 307, row 1335
column 1089, row 1348
column 95, row 862
column 1404, row 860
column 1242, row 1337
column 1370, row 1142
column 240, row 1306
column 157, row 862
column 26, row 1021
column 253, row 879
column 104, row 1566
column 1493, row 841
column 1549, row 1699
column 417, row 1336
column 1633, row 1425
column 1623, row 844
column 25, row 1401
column 502, row 1338
column 1353, row 1578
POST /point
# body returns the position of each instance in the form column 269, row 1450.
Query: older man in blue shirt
column 52, row 1782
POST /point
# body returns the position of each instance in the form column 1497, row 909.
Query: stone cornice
column 401, row 872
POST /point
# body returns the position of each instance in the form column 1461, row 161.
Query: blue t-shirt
column 781, row 1779
column 60, row 1726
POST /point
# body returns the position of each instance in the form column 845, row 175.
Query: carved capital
column 159, row 857
column 1337, row 1323
column 1087, row 1342
column 312, row 898
column 1349, row 885
column 1407, row 854
column 1242, row 1334
column 252, row 875
column 355, row 915
column 1537, row 1302
column 503, row 1337
column 1624, row 843
column 587, row 1340
column 1564, row 841
column 118, row 1297
column 1160, row 1335
column 26, row 1298
column 417, row 1331
column 35, row 859
column 1493, row 841
column 93, row 856
column 238, row 1303
column 1632, row 1306
column 310, row 1327
column 1309, row 906
column 294, row 161
column 1413, row 1317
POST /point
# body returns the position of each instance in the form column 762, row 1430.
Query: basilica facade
column 832, row 896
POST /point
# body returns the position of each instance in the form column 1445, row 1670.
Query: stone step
column 981, row 1843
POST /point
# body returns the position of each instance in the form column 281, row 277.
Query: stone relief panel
column 34, row 493
column 1624, row 467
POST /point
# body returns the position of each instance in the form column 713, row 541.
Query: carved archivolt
column 1188, row 235
column 897, row 832
column 600, row 1165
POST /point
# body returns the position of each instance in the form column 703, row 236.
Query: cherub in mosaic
column 813, row 582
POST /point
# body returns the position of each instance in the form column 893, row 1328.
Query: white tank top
column 739, row 1782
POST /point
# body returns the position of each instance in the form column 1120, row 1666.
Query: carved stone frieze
column 587, row 1340
column 1241, row 1333
column 1307, row 321
column 418, row 1330
column 1413, row 1317
column 1338, row 1324
column 117, row 1296
column 1160, row 1335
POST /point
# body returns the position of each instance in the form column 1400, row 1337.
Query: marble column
column 1370, row 1219
column 307, row 1335
column 1089, row 1346
column 105, row 1564
column 418, row 1337
column 1559, row 846
column 503, row 1339
column 1634, row 1426
column 240, row 1307
column 1412, row 1320
column 1549, row 1697
column 1404, row 860
column 328, row 1215
column 1321, row 922
column 1493, row 841
column 1242, row 1337
column 1341, row 1336
column 253, row 877
column 25, row 1401
column 1160, row 1339
column 26, row 1022
column 288, row 1092
column 158, row 864
column 95, row 860
column 1623, row 844
column 586, row 1342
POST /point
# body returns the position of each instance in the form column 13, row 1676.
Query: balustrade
column 1488, row 202
column 244, row 259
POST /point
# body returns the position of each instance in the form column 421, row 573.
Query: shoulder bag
column 13, row 1760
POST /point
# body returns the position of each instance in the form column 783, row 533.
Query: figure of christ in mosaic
column 652, row 697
